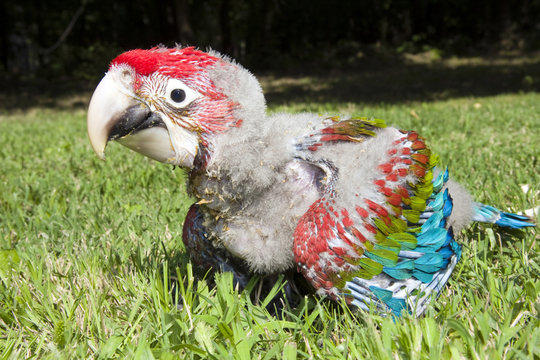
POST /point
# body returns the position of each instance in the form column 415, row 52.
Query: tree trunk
column 3, row 37
column 225, row 26
column 183, row 27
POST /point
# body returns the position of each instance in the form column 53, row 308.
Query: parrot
column 361, row 211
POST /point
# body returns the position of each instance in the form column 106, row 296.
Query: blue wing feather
column 489, row 214
column 420, row 271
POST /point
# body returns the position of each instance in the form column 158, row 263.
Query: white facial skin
column 114, row 95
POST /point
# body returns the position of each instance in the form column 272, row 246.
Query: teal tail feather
column 489, row 214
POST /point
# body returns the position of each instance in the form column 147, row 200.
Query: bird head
column 167, row 104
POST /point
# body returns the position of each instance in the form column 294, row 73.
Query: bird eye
column 178, row 95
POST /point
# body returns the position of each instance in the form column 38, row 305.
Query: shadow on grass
column 148, row 260
column 366, row 80
column 62, row 94
column 406, row 81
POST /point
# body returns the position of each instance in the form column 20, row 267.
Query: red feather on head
column 177, row 63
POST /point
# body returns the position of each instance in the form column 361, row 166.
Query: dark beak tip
column 134, row 118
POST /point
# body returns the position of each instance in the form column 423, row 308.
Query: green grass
column 87, row 249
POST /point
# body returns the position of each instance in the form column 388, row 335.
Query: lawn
column 90, row 251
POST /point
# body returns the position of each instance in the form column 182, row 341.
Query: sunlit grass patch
column 91, row 258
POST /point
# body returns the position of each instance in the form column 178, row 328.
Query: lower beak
column 115, row 115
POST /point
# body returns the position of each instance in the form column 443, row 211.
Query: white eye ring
column 179, row 94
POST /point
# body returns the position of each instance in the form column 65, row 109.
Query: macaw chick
column 358, row 208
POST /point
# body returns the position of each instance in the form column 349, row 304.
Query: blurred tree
column 76, row 37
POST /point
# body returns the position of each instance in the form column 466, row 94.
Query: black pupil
column 178, row 95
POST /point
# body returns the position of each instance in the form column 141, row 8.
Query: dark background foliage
column 77, row 39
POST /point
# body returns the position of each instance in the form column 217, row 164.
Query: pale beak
column 113, row 114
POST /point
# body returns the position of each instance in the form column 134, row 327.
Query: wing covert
column 391, row 251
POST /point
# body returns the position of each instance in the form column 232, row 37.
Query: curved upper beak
column 106, row 103
column 115, row 115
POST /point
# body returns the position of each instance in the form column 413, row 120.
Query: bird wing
column 380, row 237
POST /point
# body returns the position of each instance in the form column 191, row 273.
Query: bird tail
column 489, row 214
